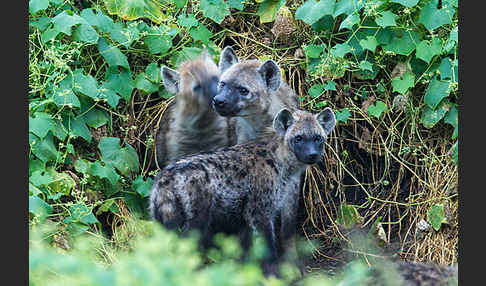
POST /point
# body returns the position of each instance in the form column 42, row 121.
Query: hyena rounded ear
column 206, row 56
column 271, row 74
column 327, row 119
column 227, row 58
column 170, row 79
column 282, row 121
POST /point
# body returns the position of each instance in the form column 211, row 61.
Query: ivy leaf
column 108, row 172
column 436, row 216
column 350, row 21
column 77, row 127
column 152, row 72
column 435, row 92
column 316, row 90
column 120, row 81
column 432, row 18
column 311, row 11
column 330, row 85
column 426, row 51
column 134, row 9
column 377, row 109
column 112, row 55
column 215, row 10
column 340, row 50
column 38, row 5
column 430, row 116
column 237, row 4
column 142, row 83
column 63, row 22
column 406, row 3
column 158, row 41
column 109, row 95
column 124, row 159
column 85, row 33
column 142, row 187
column 45, row 149
column 268, row 9
column 187, row 21
column 451, row 41
column 80, row 213
column 403, row 83
column 41, row 124
column 369, row 43
column 451, row 117
column 85, row 84
column 386, row 19
column 347, row 215
column 313, row 51
column 125, row 36
column 100, row 20
column 343, row 115
column 63, row 94
column 403, row 42
column 454, row 152
column 200, row 33
column 39, row 208
column 447, row 71
column 366, row 65
column 347, row 7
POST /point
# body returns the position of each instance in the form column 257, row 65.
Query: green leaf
column 49, row 34
column 430, row 116
column 369, row 43
column 187, row 53
column 142, row 187
column 407, row 3
column 347, row 215
column 314, row 51
column 45, row 149
column 386, row 19
column 108, row 172
column 42, row 23
column 85, row 33
column 124, row 159
column 158, row 41
column 39, row 207
column 330, row 85
column 134, row 9
column 377, row 109
column 41, row 124
column 366, row 65
column 82, row 166
column 436, row 216
column 100, row 20
column 347, row 7
column 343, row 115
column 316, row 90
column 268, row 9
column 403, row 42
column 80, row 213
column 448, row 70
column 432, row 18
column 426, row 51
column 61, row 183
column 38, row 5
column 350, row 21
column 77, row 127
column 40, row 178
column 311, row 11
column 451, row 43
column 96, row 118
column 85, row 84
column 215, row 10
column 200, row 33
column 112, row 55
column 120, row 81
column 454, row 152
column 340, row 50
column 188, row 21
column 63, row 22
column 236, row 4
column 63, row 94
column 142, row 83
column 435, row 92
column 180, row 3
column 152, row 72
column 109, row 95
column 451, row 117
column 124, row 36
column 403, row 83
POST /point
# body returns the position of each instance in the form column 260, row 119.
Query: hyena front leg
column 271, row 262
column 245, row 237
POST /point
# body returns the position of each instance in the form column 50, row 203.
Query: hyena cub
column 244, row 187
column 191, row 124
column 252, row 92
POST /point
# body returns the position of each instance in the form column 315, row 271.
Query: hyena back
column 252, row 92
column 190, row 124
column 244, row 187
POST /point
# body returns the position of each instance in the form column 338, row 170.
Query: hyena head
column 244, row 87
column 195, row 81
column 304, row 133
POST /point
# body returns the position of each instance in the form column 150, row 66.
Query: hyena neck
column 290, row 167
column 195, row 118
column 254, row 126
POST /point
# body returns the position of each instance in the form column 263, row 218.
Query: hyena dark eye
column 298, row 138
column 243, row 91
column 318, row 139
column 196, row 88
column 221, row 84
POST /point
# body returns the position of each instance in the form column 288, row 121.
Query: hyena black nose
column 218, row 102
column 313, row 157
